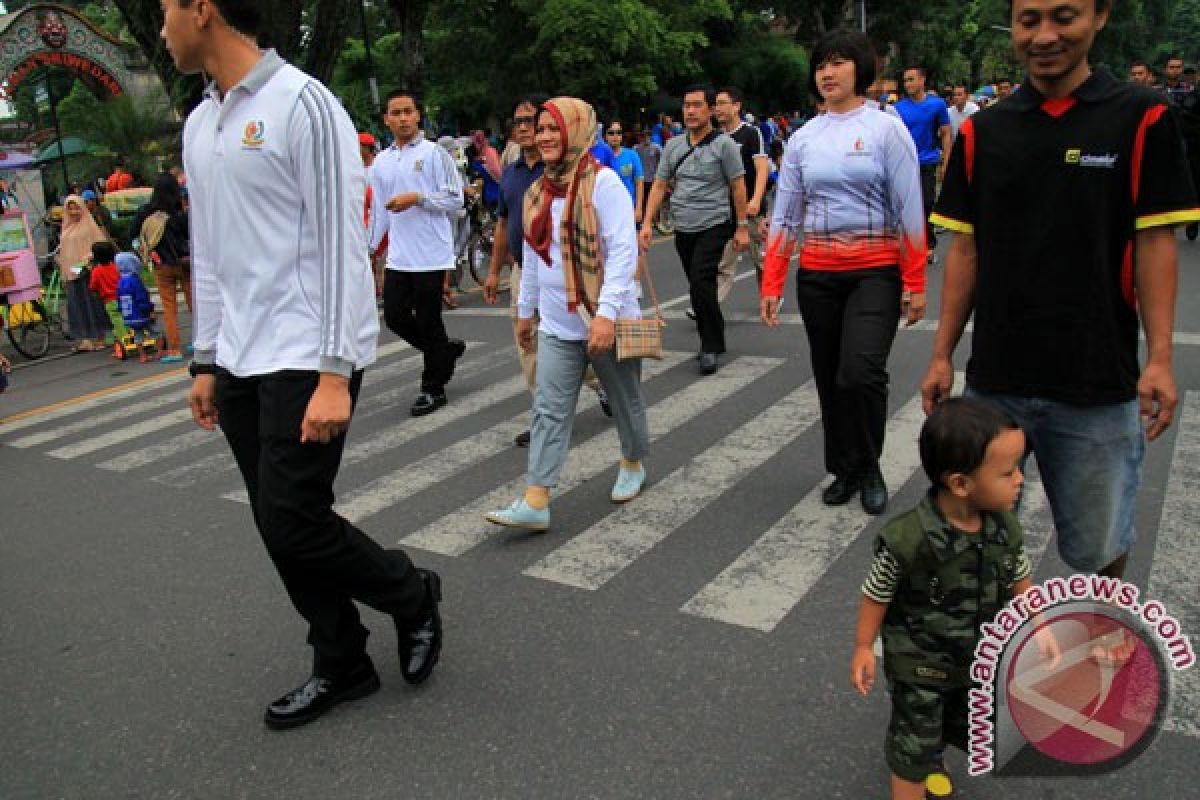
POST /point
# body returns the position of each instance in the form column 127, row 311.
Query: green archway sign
column 46, row 35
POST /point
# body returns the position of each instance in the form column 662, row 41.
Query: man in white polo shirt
column 415, row 188
column 284, row 326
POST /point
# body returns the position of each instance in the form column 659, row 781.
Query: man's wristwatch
column 195, row 369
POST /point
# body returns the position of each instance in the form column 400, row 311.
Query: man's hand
column 601, row 336
column 752, row 209
column 741, row 238
column 525, row 335
column 937, row 383
column 202, row 401
column 1157, row 398
column 941, row 172
column 1048, row 648
column 768, row 311
column 402, row 202
column 328, row 413
column 645, row 237
column 490, row 286
column 862, row 669
column 912, row 305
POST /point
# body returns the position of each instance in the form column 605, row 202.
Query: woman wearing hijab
column 86, row 316
column 578, row 223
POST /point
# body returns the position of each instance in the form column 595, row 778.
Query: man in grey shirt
column 705, row 168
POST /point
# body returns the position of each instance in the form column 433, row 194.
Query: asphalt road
column 692, row 644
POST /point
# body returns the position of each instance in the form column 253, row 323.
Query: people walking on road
column 728, row 113
column 163, row 233
column 86, row 316
column 627, row 164
column 960, row 108
column 705, row 169
column 416, row 193
column 962, row 536
column 928, row 121
column 850, row 184
column 285, row 326
column 579, row 279
column 1056, row 288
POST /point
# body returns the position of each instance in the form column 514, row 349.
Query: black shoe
column 874, row 493
column 690, row 314
column 318, row 695
column 427, row 403
column 840, row 491
column 420, row 647
column 522, row 439
column 708, row 363
column 454, row 351
column 1191, row 231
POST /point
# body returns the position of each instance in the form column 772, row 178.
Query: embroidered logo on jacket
column 1082, row 159
column 860, row 148
column 253, row 137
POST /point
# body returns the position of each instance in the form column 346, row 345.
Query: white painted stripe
column 767, row 580
column 125, row 434
column 598, row 554
column 120, row 415
column 197, row 471
column 459, row 532
column 389, row 489
column 687, row 298
column 156, row 452
column 1177, row 562
column 89, row 405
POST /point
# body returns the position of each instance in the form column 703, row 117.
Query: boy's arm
column 862, row 664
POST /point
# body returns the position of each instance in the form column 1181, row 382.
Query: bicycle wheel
column 480, row 253
column 665, row 224
column 27, row 329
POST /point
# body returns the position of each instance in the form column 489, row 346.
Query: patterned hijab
column 572, row 177
column 75, row 243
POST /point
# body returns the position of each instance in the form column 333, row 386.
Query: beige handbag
column 636, row 338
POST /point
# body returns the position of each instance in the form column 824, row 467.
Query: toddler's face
column 995, row 485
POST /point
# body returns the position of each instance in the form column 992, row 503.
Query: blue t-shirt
column 514, row 182
column 602, row 153
column 628, row 165
column 923, row 120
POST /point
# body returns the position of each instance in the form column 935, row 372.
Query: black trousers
column 325, row 562
column 850, row 318
column 412, row 309
column 928, row 198
column 700, row 254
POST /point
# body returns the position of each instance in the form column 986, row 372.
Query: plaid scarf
column 572, row 177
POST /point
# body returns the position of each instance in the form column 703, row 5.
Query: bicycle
column 664, row 223
column 30, row 323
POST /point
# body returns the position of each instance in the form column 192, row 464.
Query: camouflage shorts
column 923, row 719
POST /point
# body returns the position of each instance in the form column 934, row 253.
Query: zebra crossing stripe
column 1177, row 561
column 196, row 471
column 125, row 434
column 389, row 489
column 465, row 529
column 597, row 555
column 172, row 398
column 767, row 581
column 89, row 405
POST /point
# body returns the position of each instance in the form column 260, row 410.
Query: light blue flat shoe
column 629, row 484
column 521, row 515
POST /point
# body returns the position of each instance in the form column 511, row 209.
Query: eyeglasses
column 524, row 122
column 615, row 132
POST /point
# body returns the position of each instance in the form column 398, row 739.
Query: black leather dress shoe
column 708, row 363
column 840, row 491
column 427, row 403
column 420, row 646
column 874, row 493
column 304, row 704
column 522, row 439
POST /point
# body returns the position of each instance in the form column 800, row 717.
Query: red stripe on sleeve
column 1127, row 276
column 967, row 132
column 1151, row 116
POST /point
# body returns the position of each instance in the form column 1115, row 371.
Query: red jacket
column 105, row 278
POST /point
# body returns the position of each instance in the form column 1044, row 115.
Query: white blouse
column 542, row 287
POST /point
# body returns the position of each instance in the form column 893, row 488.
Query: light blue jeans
column 561, row 365
column 1090, row 460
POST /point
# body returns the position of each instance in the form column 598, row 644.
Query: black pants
column 324, row 561
column 412, row 309
column 850, row 319
column 928, row 198
column 700, row 254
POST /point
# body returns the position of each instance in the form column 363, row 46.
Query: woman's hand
column 768, row 311
column 912, row 306
column 525, row 335
column 601, row 336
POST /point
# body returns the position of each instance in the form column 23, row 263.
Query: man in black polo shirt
column 728, row 112
column 1063, row 199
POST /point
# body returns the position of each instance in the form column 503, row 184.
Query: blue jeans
column 1090, row 459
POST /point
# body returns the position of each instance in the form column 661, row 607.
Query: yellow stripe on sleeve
column 1169, row 218
column 951, row 224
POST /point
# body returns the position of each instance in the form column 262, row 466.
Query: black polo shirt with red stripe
column 1054, row 191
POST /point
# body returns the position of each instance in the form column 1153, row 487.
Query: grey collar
column 256, row 78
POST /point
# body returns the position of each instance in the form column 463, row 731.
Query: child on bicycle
column 137, row 309
column 103, row 283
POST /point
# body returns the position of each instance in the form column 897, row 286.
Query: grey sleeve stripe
column 881, row 582
column 327, row 198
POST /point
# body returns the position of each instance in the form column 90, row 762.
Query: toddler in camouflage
column 940, row 571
